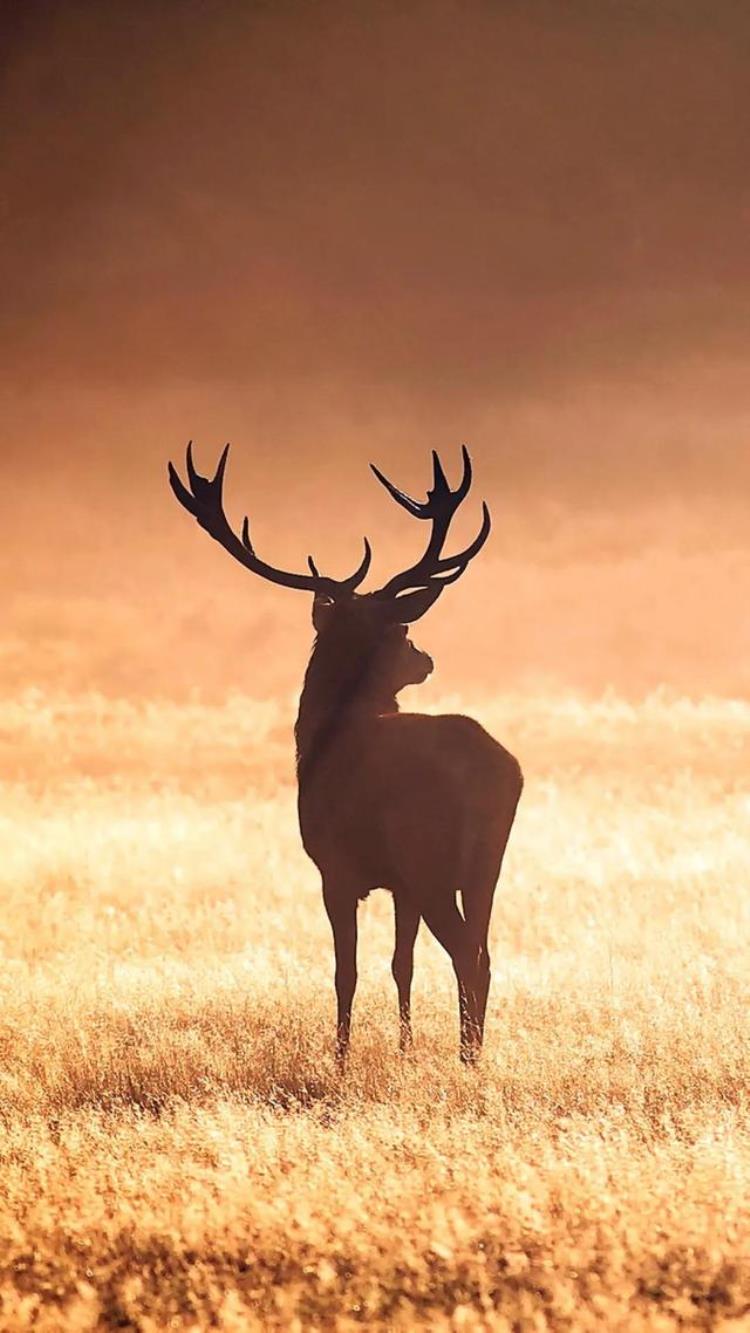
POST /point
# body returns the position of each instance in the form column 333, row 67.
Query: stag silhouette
column 418, row 804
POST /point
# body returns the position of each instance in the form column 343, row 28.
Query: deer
column 418, row 804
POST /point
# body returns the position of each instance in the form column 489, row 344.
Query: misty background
column 336, row 233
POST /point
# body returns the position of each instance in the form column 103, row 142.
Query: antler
column 204, row 501
column 433, row 571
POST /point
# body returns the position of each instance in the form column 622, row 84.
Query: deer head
column 370, row 628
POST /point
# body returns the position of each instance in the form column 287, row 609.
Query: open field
column 177, row 1149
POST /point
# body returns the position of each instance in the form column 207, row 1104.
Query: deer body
column 420, row 805
column 457, row 781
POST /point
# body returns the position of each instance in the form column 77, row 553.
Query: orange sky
column 336, row 232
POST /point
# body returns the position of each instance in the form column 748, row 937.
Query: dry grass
column 176, row 1147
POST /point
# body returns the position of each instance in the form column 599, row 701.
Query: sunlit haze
column 341, row 233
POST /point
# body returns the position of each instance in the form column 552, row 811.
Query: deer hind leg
column 342, row 914
column 477, row 898
column 407, row 924
column 477, row 915
column 450, row 930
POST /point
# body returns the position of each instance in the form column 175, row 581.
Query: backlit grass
column 175, row 1142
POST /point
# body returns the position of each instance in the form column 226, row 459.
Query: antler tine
column 439, row 480
column 466, row 479
column 413, row 506
column 441, row 493
column 203, row 499
column 440, row 506
column 463, row 557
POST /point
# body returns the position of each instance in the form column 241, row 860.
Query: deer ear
column 321, row 612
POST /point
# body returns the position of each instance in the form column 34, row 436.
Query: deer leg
column 402, row 966
column 342, row 914
column 477, row 916
column 477, row 897
column 483, row 988
column 450, row 930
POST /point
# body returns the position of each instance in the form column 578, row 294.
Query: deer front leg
column 342, row 914
column 402, row 966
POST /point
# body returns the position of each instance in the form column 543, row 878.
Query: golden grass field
column 177, row 1148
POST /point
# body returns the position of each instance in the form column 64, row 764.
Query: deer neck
column 335, row 698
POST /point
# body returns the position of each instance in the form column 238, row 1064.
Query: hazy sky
column 331, row 232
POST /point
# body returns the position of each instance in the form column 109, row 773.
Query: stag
column 421, row 805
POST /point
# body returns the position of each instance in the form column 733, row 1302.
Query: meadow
column 177, row 1149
